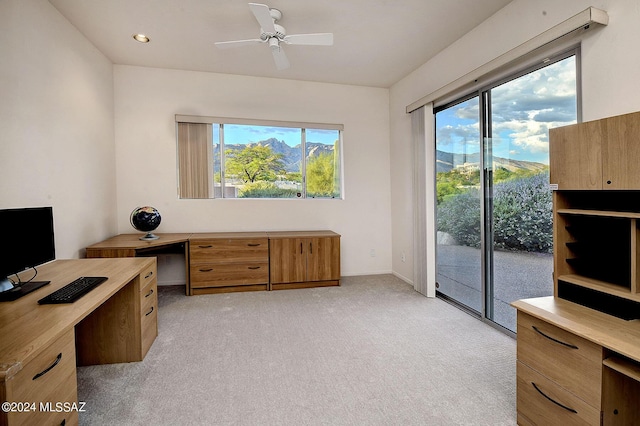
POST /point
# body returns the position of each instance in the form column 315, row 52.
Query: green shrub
column 522, row 212
column 459, row 215
column 262, row 189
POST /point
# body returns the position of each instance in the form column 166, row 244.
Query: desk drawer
column 149, row 295
column 544, row 403
column 148, row 275
column 229, row 250
column 219, row 275
column 148, row 316
column 571, row 361
column 49, row 377
column 149, row 327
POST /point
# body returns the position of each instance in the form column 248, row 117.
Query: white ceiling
column 376, row 42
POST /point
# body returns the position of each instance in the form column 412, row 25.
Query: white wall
column 610, row 71
column 56, row 124
column 146, row 101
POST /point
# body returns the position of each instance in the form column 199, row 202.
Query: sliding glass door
column 494, row 208
column 458, row 200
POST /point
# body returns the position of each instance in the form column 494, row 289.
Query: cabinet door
column 287, row 260
column 621, row 152
column 323, row 259
column 575, row 156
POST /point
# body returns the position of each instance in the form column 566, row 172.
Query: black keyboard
column 72, row 291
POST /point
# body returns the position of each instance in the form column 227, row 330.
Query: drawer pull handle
column 149, row 294
column 148, row 275
column 46, row 370
column 253, row 245
column 209, row 246
column 149, row 313
column 206, row 269
column 254, row 267
column 569, row 345
column 554, row 401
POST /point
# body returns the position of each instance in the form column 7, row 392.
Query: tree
column 254, row 163
column 320, row 176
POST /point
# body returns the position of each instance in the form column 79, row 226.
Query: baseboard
column 160, row 283
column 360, row 274
column 403, row 278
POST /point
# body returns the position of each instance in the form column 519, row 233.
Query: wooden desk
column 583, row 359
column 115, row 322
column 130, row 245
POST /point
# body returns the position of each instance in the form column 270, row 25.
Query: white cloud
column 522, row 110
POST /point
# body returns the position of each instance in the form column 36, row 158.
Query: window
column 233, row 158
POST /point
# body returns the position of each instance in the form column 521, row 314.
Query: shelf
column 606, row 302
column 623, row 366
column 600, row 213
column 599, row 285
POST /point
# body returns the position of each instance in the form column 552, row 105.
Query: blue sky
column 234, row 134
column 523, row 110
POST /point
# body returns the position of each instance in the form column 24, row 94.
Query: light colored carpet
column 370, row 352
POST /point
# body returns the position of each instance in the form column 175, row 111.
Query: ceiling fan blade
column 280, row 59
column 263, row 16
column 237, row 43
column 320, row 39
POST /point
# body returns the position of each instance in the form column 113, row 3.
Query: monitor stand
column 21, row 290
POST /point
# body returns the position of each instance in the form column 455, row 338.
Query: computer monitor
column 26, row 241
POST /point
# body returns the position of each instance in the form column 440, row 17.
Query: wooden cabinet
column 585, row 365
column 601, row 154
column 579, row 351
column 221, row 262
column 49, row 377
column 304, row 259
column 135, row 308
column 559, row 374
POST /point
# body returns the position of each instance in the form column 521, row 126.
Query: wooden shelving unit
column 595, row 169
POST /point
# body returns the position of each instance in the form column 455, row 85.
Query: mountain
column 291, row 154
column 446, row 161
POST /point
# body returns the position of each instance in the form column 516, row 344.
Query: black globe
column 145, row 219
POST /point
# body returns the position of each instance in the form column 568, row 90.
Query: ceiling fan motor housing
column 280, row 33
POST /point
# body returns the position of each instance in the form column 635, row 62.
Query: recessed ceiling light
column 141, row 38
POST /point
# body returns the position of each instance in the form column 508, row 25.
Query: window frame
column 211, row 122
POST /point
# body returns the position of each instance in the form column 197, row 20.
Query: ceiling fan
column 274, row 35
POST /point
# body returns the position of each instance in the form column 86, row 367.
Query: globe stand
column 149, row 237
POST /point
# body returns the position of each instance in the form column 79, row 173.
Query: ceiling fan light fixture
column 274, row 44
column 141, row 38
